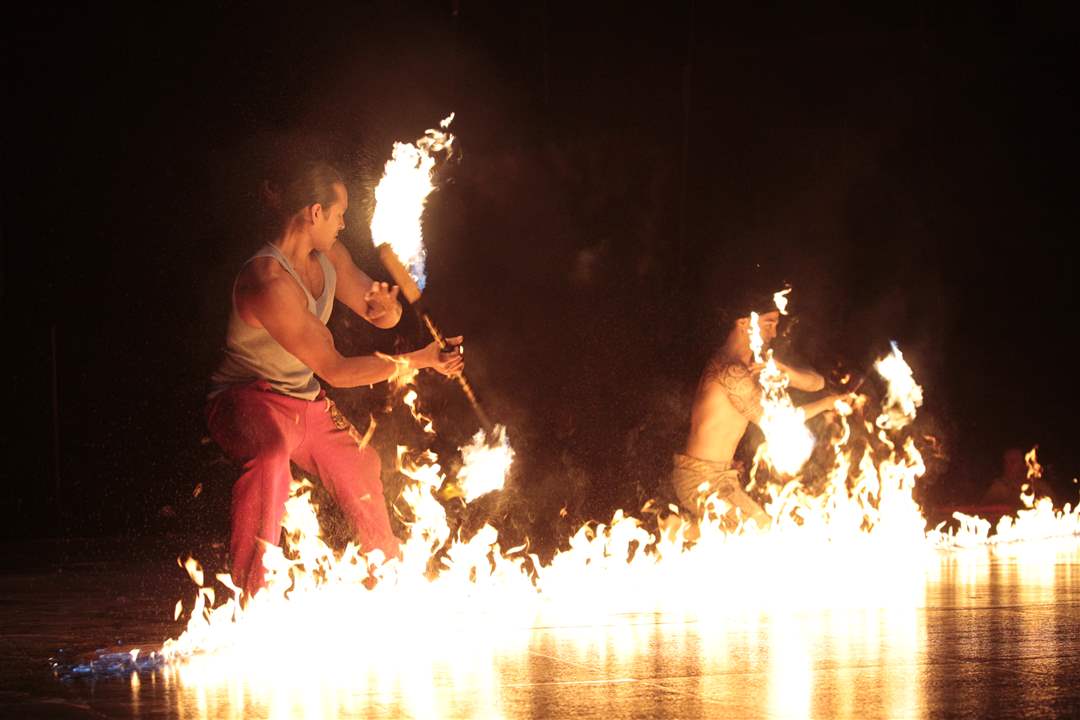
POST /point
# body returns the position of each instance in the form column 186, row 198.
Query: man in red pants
column 266, row 408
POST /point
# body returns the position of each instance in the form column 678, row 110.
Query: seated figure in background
column 727, row 399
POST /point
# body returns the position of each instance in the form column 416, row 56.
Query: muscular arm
column 819, row 406
column 740, row 387
column 744, row 391
column 807, row 380
column 353, row 286
column 277, row 303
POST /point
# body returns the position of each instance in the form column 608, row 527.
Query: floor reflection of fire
column 786, row 659
column 984, row 623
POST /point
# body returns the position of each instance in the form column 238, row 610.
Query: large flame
column 788, row 442
column 401, row 194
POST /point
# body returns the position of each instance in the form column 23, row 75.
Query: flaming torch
column 397, row 233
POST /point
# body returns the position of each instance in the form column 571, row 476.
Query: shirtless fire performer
column 728, row 398
column 266, row 407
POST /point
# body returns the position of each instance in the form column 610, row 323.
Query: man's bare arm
column 817, row 407
column 739, row 385
column 280, row 307
column 374, row 302
column 799, row 379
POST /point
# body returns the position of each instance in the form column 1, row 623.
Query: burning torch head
column 399, row 274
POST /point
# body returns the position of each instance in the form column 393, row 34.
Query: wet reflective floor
column 997, row 635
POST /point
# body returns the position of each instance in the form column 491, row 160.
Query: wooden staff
column 411, row 291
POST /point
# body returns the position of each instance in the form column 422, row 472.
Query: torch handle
column 485, row 421
column 436, row 334
column 411, row 291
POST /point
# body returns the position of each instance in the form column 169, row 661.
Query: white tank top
column 252, row 354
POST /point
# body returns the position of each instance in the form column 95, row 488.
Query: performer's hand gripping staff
column 411, row 291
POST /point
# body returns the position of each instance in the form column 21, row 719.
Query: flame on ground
column 1037, row 520
column 862, row 542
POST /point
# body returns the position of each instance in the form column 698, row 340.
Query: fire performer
column 266, row 408
column 728, row 398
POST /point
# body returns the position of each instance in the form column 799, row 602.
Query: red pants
column 265, row 430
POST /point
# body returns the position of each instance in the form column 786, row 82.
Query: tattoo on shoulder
column 737, row 382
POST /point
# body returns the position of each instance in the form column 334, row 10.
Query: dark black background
column 909, row 172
